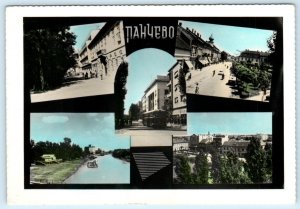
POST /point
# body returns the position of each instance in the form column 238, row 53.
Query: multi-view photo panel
column 153, row 103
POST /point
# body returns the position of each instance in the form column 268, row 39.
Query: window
column 182, row 98
column 176, row 99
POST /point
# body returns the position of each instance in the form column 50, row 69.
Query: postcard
column 145, row 103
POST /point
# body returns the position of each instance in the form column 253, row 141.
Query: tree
column 120, row 92
column 256, row 161
column 232, row 170
column 134, row 112
column 48, row 54
column 182, row 170
column 201, row 169
column 269, row 164
column 215, row 166
column 224, row 56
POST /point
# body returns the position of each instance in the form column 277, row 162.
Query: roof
column 102, row 32
column 178, row 140
column 181, row 44
column 160, row 78
column 237, row 143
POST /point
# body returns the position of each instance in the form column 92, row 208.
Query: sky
column 82, row 33
column 97, row 129
column 230, row 123
column 144, row 66
column 231, row 38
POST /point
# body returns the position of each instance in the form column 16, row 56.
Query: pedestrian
column 197, row 89
column 214, row 72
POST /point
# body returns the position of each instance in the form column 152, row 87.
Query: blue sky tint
column 230, row 38
column 230, row 123
column 82, row 33
column 144, row 66
column 83, row 128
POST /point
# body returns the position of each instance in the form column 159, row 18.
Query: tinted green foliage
column 134, row 112
column 232, row 170
column 256, row 161
column 183, row 170
column 121, row 154
column 63, row 150
column 201, row 169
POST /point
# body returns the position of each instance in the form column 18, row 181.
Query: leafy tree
column 269, row 164
column 183, row 170
column 120, row 92
column 215, row 166
column 201, row 169
column 134, row 112
column 224, row 56
column 256, row 161
column 48, row 54
column 232, row 170
column 121, row 154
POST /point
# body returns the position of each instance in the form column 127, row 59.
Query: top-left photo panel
column 73, row 61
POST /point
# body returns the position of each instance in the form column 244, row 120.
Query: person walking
column 197, row 89
column 214, row 72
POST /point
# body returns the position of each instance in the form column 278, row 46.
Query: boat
column 92, row 164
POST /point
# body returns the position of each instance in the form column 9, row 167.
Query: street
column 211, row 81
column 79, row 88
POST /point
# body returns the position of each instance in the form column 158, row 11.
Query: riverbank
column 54, row 173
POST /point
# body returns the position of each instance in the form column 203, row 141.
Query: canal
column 110, row 171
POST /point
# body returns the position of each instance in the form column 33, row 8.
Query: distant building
column 181, row 143
column 238, row 147
column 253, row 57
column 219, row 139
column 49, row 158
column 92, row 150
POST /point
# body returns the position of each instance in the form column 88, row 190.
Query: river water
column 110, row 171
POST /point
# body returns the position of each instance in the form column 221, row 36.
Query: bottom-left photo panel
column 77, row 148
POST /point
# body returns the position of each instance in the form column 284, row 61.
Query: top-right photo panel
column 226, row 61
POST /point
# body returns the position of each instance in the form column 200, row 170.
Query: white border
column 16, row 194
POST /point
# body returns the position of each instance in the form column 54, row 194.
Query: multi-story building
column 104, row 51
column 253, row 57
column 176, row 96
column 181, row 143
column 238, row 147
column 154, row 102
column 191, row 47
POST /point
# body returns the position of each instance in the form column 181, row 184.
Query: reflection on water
column 110, row 171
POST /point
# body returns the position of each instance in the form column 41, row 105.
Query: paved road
column 80, row 88
column 212, row 84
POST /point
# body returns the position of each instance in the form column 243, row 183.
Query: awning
column 203, row 62
column 189, row 64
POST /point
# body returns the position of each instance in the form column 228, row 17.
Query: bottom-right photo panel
column 224, row 148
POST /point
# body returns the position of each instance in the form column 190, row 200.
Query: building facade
column 104, row 51
column 253, row 57
column 176, row 97
column 154, row 102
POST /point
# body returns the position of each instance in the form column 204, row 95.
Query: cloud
column 55, row 119
column 92, row 114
